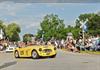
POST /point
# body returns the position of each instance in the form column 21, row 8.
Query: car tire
column 53, row 56
column 16, row 54
column 35, row 54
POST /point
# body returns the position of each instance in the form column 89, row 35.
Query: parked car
column 10, row 48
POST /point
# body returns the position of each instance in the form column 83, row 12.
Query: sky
column 53, row 1
column 29, row 15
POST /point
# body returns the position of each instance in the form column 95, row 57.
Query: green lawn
column 91, row 52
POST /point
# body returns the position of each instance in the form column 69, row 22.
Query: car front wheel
column 16, row 54
column 35, row 54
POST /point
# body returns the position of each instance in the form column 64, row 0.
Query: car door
column 22, row 51
column 28, row 51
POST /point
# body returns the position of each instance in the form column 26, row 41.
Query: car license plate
column 47, row 53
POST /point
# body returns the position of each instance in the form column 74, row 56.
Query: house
column 1, row 34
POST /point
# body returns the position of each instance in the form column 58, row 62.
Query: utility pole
column 83, row 37
column 83, row 26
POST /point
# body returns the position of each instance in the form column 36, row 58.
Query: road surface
column 63, row 61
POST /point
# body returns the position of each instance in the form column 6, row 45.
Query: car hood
column 42, row 46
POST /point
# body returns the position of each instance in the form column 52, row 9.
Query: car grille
column 47, row 50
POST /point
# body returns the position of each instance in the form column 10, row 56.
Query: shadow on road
column 8, row 64
column 43, row 58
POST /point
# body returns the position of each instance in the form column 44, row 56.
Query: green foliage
column 27, row 38
column 51, row 26
column 73, row 30
column 12, row 32
column 39, row 34
column 2, row 26
column 93, row 22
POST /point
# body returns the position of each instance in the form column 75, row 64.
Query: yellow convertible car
column 35, row 51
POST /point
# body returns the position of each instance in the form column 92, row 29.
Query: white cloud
column 28, row 22
column 11, row 8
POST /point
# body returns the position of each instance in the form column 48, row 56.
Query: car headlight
column 40, row 49
column 54, row 48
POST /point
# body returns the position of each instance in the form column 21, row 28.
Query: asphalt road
column 63, row 61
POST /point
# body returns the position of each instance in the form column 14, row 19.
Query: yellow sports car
column 35, row 51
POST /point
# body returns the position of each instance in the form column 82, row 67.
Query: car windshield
column 12, row 45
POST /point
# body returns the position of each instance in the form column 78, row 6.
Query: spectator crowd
column 91, row 43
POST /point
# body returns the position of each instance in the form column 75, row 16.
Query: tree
column 82, row 18
column 12, row 32
column 75, row 31
column 39, row 34
column 51, row 26
column 27, row 38
column 93, row 22
column 1, row 24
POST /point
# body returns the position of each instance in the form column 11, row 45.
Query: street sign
column 84, row 28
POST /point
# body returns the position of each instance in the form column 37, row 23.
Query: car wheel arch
column 34, row 50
